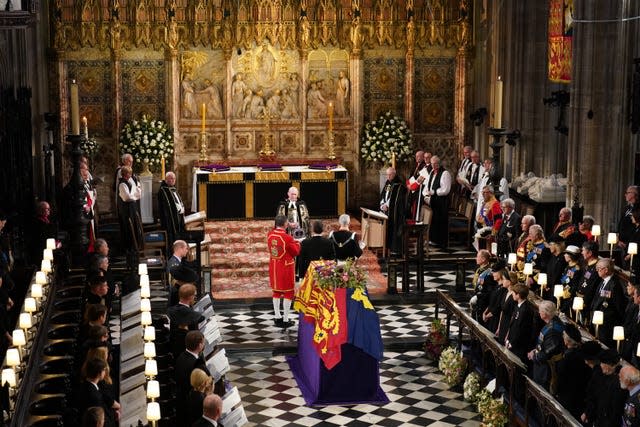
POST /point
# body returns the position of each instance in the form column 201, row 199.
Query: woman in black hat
column 572, row 373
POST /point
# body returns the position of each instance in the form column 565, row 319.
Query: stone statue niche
column 194, row 94
column 325, row 87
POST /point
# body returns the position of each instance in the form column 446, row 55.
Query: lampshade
column 47, row 254
column 595, row 230
column 598, row 317
column 18, row 337
column 153, row 389
column 578, row 303
column 51, row 244
column 41, row 278
column 528, row 268
column 618, row 333
column 24, row 321
column 150, row 368
column 153, row 411
column 558, row 291
column 29, row 305
column 45, row 266
column 542, row 279
column 13, row 357
column 633, row 248
column 9, row 377
column 494, row 248
column 512, row 258
column 145, row 318
column 145, row 292
column 145, row 304
column 144, row 278
column 36, row 290
column 638, row 350
column 149, row 333
column 149, row 350
column 142, row 268
column 612, row 238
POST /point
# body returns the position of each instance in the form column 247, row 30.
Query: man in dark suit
column 89, row 393
column 508, row 232
column 314, row 248
column 186, row 362
column 519, row 336
column 183, row 318
column 211, row 411
column 610, row 299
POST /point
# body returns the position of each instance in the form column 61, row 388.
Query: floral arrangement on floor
column 89, row 146
column 331, row 275
column 147, row 141
column 385, row 136
column 494, row 412
column 471, row 387
column 436, row 340
column 453, row 365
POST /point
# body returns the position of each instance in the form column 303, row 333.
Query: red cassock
column 282, row 265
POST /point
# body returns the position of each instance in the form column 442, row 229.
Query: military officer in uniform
column 630, row 380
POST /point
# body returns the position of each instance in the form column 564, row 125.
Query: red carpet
column 240, row 262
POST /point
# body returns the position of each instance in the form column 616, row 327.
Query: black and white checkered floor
column 413, row 384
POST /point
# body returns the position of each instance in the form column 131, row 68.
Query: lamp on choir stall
column 149, row 333
column 41, row 278
column 612, row 239
column 51, row 244
column 36, row 292
column 598, row 319
column 618, row 335
column 18, row 338
column 47, row 254
column 145, row 318
column 12, row 359
column 542, row 281
column 145, row 292
column 45, row 265
column 595, row 230
column 494, row 248
column 512, row 259
column 578, row 305
column 145, row 305
column 558, row 291
column 150, row 369
column 24, row 322
column 9, row 380
column 153, row 412
column 30, row 306
column 142, row 268
column 149, row 350
column 638, row 350
column 528, row 270
column 632, row 250
column 144, row 278
column 153, row 390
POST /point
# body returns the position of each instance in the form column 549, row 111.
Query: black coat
column 170, row 219
column 508, row 233
column 183, row 319
column 87, row 395
column 345, row 244
column 520, row 334
column 572, row 378
column 612, row 301
column 312, row 249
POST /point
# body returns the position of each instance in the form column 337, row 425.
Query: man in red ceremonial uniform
column 282, row 269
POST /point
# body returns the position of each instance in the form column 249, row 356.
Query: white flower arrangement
column 147, row 141
column 89, row 146
column 383, row 137
column 495, row 412
column 471, row 387
column 453, row 366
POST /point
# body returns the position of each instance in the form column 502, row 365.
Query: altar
column 248, row 192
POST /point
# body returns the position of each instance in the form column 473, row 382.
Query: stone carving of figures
column 214, row 106
column 238, row 89
column 289, row 108
column 354, row 34
column 257, row 105
column 305, row 32
column 342, row 95
column 266, row 63
column 245, row 111
column 189, row 107
column 274, row 104
column 316, row 104
column 294, row 91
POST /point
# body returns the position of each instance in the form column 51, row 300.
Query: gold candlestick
column 332, row 153
column 267, row 152
column 203, row 158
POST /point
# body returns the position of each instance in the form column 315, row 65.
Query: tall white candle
column 75, row 109
column 497, row 114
